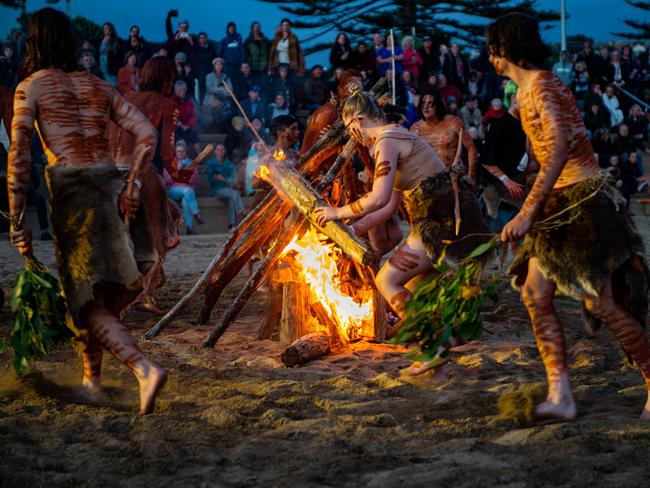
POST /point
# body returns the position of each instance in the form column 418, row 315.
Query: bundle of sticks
column 259, row 229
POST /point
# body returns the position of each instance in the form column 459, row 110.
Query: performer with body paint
column 594, row 252
column 88, row 195
column 406, row 167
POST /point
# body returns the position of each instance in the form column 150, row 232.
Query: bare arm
column 130, row 119
column 472, row 154
column 377, row 217
column 22, row 128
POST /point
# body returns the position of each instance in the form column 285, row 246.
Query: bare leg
column 107, row 330
column 385, row 236
column 627, row 330
column 92, row 361
column 537, row 295
column 151, row 279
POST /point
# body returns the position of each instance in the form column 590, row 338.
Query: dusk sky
column 594, row 18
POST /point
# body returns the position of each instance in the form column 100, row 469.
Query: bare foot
column 91, row 391
column 149, row 307
column 151, row 378
column 420, row 367
column 563, row 409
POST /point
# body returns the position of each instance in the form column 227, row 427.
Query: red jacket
column 186, row 111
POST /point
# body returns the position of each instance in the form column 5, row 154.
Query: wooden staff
column 234, row 99
column 454, row 182
column 392, row 62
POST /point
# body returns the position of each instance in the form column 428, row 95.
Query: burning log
column 254, row 281
column 294, row 319
column 308, row 347
column 273, row 308
column 326, row 321
column 296, row 189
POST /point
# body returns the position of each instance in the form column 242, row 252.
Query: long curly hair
column 515, row 36
column 50, row 43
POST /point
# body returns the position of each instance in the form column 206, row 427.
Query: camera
column 184, row 35
column 173, row 13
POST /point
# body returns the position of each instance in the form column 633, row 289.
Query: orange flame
column 278, row 155
column 263, row 172
column 318, row 261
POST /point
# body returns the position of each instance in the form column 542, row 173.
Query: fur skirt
column 92, row 242
column 430, row 206
column 593, row 240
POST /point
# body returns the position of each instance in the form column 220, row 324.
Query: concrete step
column 212, row 138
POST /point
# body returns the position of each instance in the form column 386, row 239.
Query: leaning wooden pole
column 254, row 282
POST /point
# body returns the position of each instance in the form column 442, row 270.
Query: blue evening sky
column 594, row 18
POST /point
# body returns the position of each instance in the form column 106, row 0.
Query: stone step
column 212, row 138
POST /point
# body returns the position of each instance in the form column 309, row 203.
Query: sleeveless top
column 421, row 153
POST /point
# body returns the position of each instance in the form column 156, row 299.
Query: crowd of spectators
column 268, row 76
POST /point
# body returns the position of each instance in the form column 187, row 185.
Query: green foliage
column 39, row 304
column 448, row 305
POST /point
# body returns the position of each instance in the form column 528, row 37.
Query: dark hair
column 282, row 122
column 438, row 103
column 157, row 73
column 346, row 43
column 202, row 33
column 362, row 43
column 127, row 56
column 231, row 24
column 113, row 39
column 50, row 43
column 515, row 36
column 394, row 114
column 285, row 20
column 134, row 27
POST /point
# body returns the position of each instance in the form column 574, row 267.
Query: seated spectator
column 231, row 50
column 181, row 185
column 128, row 78
column 448, row 90
column 341, row 52
column 252, row 164
column 410, row 83
column 237, row 138
column 603, row 147
column 595, row 96
column 564, row 69
column 595, row 118
column 623, row 143
column 238, row 160
column 87, row 63
column 412, row 60
column 385, row 58
column 635, row 163
column 257, row 47
column 280, row 84
column 183, row 72
column 243, row 81
column 471, row 115
column 431, row 84
column 610, row 102
column 617, row 72
column 363, row 60
column 186, row 116
column 277, row 108
column 262, row 132
column 452, row 102
column 314, row 92
column 223, row 183
column 216, row 96
column 204, row 53
column 638, row 125
column 137, row 45
column 254, row 106
column 285, row 49
column 474, row 83
column 494, row 112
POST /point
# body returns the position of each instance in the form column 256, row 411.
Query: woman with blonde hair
column 408, row 168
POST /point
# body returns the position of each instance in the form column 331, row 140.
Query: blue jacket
column 225, row 169
column 231, row 49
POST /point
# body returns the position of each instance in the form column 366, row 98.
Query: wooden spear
column 454, row 182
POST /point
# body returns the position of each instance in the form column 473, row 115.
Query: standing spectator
column 285, row 49
column 610, row 102
column 602, row 145
column 128, row 78
column 257, row 47
column 138, row 45
column 341, row 52
column 204, row 53
column 474, row 83
column 110, row 53
column 253, row 106
column 412, row 60
column 471, row 115
column 181, row 40
column 87, row 63
column 428, row 55
column 630, row 66
column 590, row 58
column 314, row 92
column 581, row 80
column 617, row 73
column 385, row 58
column 638, row 124
column 8, row 67
column 447, row 90
column 181, row 185
column 459, row 69
column 183, row 72
column 364, row 61
column 601, row 63
column 216, row 96
column 222, row 179
column 445, row 62
column 564, row 68
column 186, row 116
column 280, row 84
column 231, row 49
column 277, row 108
column 243, row 81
